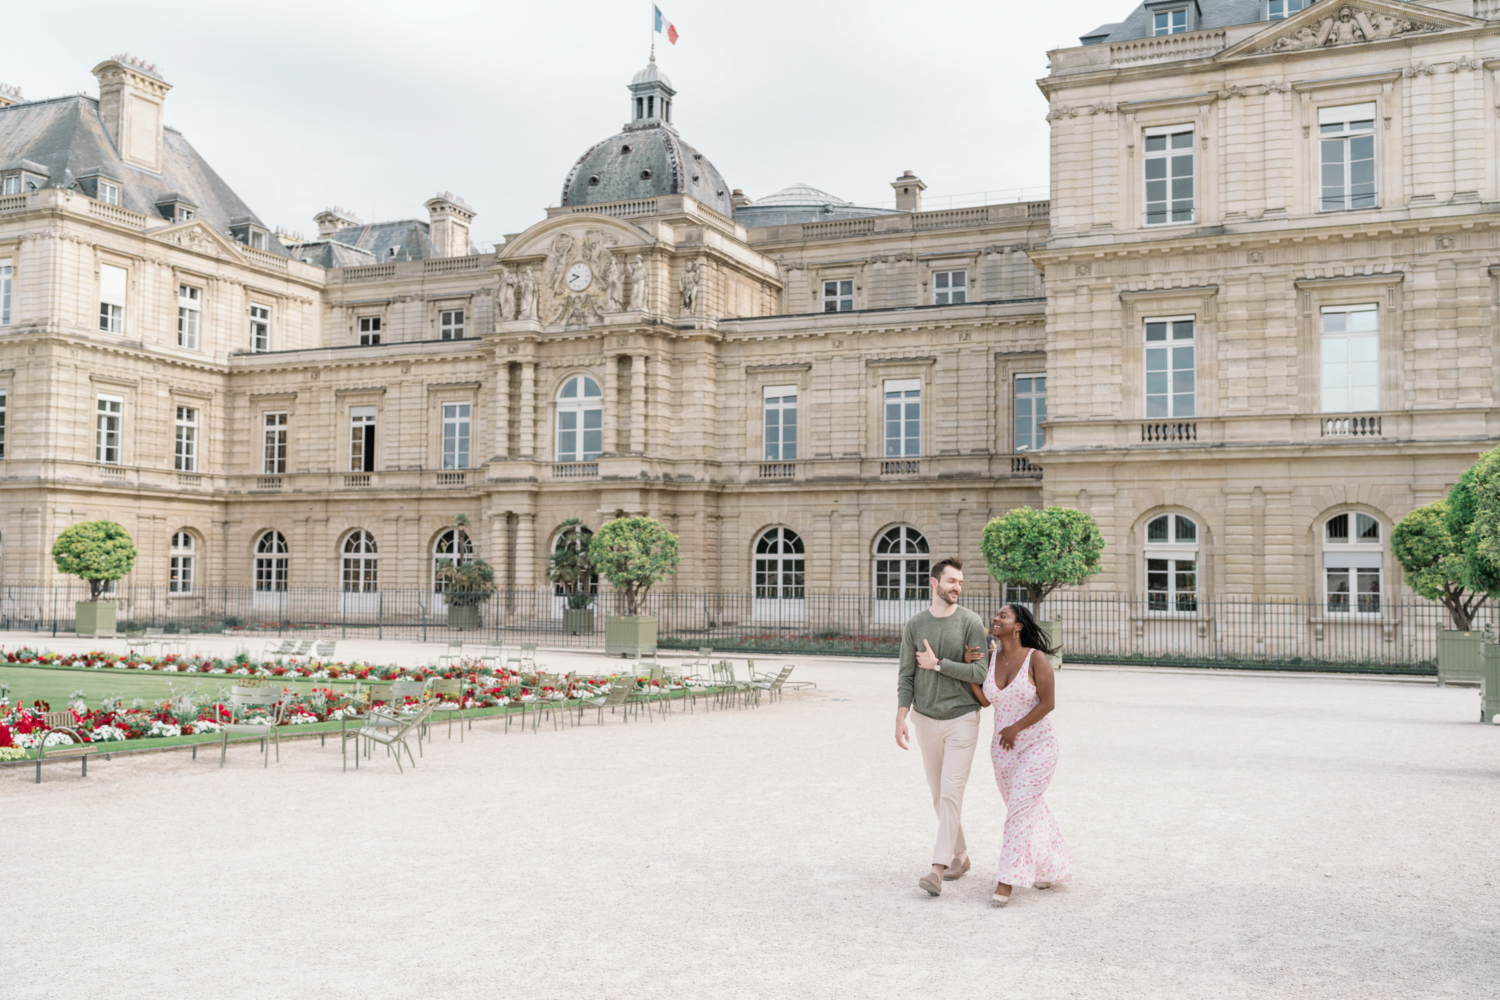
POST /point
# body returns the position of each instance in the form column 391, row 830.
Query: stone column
column 499, row 548
column 526, row 448
column 638, row 404
column 611, row 405
column 502, row 411
column 525, row 551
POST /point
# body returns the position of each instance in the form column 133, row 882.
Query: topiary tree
column 1435, row 564
column 94, row 551
column 1474, row 521
column 1042, row 550
column 634, row 554
column 569, row 568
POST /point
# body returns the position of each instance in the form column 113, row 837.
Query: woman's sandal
column 998, row 900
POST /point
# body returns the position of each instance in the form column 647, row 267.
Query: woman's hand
column 1008, row 737
column 973, row 654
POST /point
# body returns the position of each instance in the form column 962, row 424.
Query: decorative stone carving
column 1083, row 270
column 1275, row 87
column 794, row 265
column 614, row 285
column 887, row 258
column 636, row 277
column 1446, row 242
column 1062, row 111
column 505, row 304
column 528, row 296
column 691, row 276
column 1347, row 26
column 1103, row 108
column 1256, row 257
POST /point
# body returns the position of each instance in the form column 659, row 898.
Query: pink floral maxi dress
column 1034, row 849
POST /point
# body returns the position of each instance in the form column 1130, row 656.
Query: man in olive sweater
column 932, row 692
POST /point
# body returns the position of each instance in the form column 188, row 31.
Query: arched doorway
column 779, row 578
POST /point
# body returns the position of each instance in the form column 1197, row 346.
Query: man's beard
column 943, row 596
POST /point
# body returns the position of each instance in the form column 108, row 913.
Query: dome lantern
column 651, row 96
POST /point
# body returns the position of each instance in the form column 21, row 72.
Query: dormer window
column 1170, row 22
column 391, row 252
column 245, row 231
column 101, row 187
column 175, row 208
column 10, row 183
column 1277, row 10
column 109, row 193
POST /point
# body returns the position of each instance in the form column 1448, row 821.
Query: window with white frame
column 271, row 555
column 2, row 423
column 1171, row 368
column 1015, row 593
column 1169, row 176
column 360, row 564
column 111, row 298
column 779, row 404
column 1172, row 563
column 183, row 550
column 1030, row 411
column 369, row 331
column 1170, row 22
column 5, row 279
column 580, row 420
column 257, row 239
column 186, row 450
column 273, row 461
column 108, row 417
column 950, row 288
column 780, row 566
column 260, row 328
column 109, row 192
column 1351, row 358
column 902, row 564
column 455, row 435
column 189, row 314
column 361, row 439
column 452, row 549
column 1277, row 10
column 1353, row 568
column 451, row 324
column 1346, row 157
column 903, row 418
column 10, row 184
column 838, row 296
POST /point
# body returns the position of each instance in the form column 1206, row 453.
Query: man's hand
column 926, row 658
column 902, row 735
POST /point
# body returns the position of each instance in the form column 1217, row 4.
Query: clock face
column 579, row 276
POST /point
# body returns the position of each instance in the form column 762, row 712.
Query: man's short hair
column 954, row 561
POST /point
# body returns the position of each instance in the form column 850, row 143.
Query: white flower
column 107, row 734
column 206, row 726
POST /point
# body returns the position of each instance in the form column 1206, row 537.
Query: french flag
column 664, row 27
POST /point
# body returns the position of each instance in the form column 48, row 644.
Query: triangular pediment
column 1331, row 24
column 199, row 237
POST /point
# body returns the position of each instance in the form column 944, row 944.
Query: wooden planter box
column 94, row 617
column 579, row 622
column 1053, row 632
column 630, row 636
column 1460, row 656
column 465, row 616
column 1489, row 694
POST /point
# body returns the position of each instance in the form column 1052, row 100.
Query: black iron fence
column 1229, row 631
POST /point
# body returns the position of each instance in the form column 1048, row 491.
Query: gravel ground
column 1234, row 836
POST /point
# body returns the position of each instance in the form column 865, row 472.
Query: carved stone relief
column 1349, row 25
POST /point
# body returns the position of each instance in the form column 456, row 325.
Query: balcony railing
column 112, row 473
column 1021, row 466
column 1352, row 426
column 1166, row 48
column 452, row 479
column 905, row 467
column 356, row 481
column 575, row 470
column 1161, row 433
column 778, row 470
column 269, row 483
column 189, row 479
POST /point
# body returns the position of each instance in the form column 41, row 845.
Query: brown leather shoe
column 932, row 884
column 953, row 872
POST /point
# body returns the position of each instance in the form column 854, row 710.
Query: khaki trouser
column 947, row 752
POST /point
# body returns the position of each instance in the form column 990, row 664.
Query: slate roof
column 800, row 203
column 66, row 136
column 1211, row 14
column 407, row 237
column 658, row 163
column 331, row 253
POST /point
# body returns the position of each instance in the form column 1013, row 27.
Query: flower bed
column 780, row 643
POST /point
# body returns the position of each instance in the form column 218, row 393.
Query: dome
column 800, row 196
column 800, row 203
column 648, row 159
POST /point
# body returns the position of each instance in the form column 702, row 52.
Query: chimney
column 448, row 226
column 909, row 188
column 131, row 93
column 10, row 95
column 738, row 200
column 332, row 219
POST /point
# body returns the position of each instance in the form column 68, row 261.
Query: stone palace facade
column 1268, row 331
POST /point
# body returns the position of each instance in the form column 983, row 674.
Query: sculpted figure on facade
column 505, row 299
column 637, row 277
column 528, row 296
column 614, row 285
column 557, row 262
column 1347, row 26
column 691, row 275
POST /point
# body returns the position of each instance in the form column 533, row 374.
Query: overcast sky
column 377, row 106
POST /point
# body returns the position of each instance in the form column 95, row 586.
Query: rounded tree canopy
column 633, row 554
column 1473, row 519
column 96, row 551
column 1042, row 549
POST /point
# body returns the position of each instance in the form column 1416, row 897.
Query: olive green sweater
column 942, row 693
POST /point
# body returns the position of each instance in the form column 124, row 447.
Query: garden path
column 1234, row 836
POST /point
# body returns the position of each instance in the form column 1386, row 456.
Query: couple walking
column 946, row 676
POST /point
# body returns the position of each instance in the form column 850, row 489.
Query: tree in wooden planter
column 466, row 582
column 97, row 552
column 569, row 570
column 1436, row 565
column 1042, row 550
column 633, row 554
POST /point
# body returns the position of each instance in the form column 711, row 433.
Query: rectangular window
column 10, row 184
column 5, row 273
column 181, row 579
column 107, row 431
column 369, row 331
column 1169, row 175
column 1351, row 359
column 109, row 193
column 275, row 445
column 187, row 439
column 903, row 418
column 2, row 425
column 1030, row 411
column 189, row 313
column 260, row 328
column 1172, row 584
column 451, row 324
column 1171, row 371
column 257, row 239
column 362, row 439
column 455, row 435
column 111, row 298
column 1354, row 582
column 780, row 408
column 1170, row 22
column 1279, row 9
column 950, row 288
column 838, row 296
column 1347, row 156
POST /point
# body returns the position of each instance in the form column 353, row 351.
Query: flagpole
column 653, row 31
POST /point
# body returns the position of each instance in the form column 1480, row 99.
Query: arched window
column 780, row 571
column 184, row 549
column 451, row 548
column 360, row 575
column 580, row 420
column 1172, row 563
column 270, row 562
column 1353, row 564
column 902, row 565
column 571, row 542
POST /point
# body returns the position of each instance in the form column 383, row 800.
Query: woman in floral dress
column 1021, row 686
